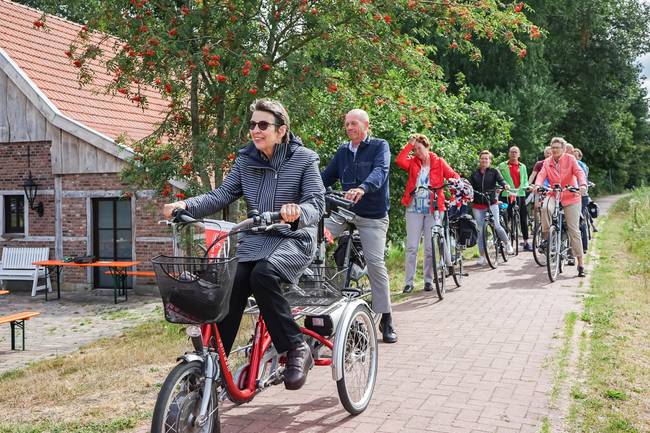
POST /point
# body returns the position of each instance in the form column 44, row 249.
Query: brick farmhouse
column 70, row 134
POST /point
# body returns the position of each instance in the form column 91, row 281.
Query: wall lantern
column 31, row 188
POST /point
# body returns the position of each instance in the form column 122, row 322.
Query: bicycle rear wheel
column 553, row 253
column 359, row 360
column 179, row 400
column 457, row 268
column 589, row 222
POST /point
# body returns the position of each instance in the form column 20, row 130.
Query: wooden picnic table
column 118, row 270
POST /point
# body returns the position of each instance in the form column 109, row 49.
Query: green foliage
column 321, row 58
column 579, row 80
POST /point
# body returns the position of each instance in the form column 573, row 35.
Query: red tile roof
column 41, row 56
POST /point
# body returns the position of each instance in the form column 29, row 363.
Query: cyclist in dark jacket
column 274, row 172
column 484, row 180
column 361, row 165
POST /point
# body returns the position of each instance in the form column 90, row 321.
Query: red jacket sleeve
column 403, row 160
column 447, row 171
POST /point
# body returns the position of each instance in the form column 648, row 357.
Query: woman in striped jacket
column 274, row 172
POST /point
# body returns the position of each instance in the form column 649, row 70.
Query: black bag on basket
column 592, row 207
column 467, row 231
column 355, row 254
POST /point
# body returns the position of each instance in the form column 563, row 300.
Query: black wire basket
column 195, row 290
column 317, row 286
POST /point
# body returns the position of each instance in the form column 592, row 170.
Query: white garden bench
column 17, row 264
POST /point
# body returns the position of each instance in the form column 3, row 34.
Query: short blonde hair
column 578, row 153
column 486, row 152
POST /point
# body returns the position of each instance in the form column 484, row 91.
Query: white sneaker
column 481, row 261
column 509, row 250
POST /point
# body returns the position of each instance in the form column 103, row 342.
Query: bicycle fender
column 189, row 357
column 339, row 343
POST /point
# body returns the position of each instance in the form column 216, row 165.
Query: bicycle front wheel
column 439, row 276
column 359, row 360
column 540, row 258
column 501, row 243
column 179, row 400
column 514, row 231
column 553, row 252
column 491, row 244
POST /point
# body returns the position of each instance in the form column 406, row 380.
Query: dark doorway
column 111, row 235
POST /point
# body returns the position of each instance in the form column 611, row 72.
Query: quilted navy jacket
column 291, row 176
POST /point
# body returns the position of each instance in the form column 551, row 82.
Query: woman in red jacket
column 425, row 169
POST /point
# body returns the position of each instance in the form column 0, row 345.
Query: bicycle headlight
column 193, row 331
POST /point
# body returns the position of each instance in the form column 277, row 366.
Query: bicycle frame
column 261, row 342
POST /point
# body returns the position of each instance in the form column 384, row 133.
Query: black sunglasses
column 262, row 124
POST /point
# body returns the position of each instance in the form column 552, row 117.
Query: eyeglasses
column 262, row 124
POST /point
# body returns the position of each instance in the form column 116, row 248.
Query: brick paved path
column 475, row 362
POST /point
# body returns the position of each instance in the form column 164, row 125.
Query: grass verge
column 612, row 393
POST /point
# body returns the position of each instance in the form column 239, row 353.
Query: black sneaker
column 571, row 261
column 581, row 271
column 408, row 288
column 428, row 287
column 527, row 247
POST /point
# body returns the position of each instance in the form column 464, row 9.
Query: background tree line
column 470, row 74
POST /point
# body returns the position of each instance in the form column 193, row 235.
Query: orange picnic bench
column 17, row 320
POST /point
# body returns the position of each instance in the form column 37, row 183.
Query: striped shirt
column 291, row 176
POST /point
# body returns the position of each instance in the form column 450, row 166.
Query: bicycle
column 512, row 218
column 457, row 247
column 349, row 253
column 494, row 246
column 339, row 329
column 445, row 254
column 587, row 221
column 557, row 244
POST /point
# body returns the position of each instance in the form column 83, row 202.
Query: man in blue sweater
column 361, row 165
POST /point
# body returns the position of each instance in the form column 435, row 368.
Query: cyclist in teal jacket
column 516, row 176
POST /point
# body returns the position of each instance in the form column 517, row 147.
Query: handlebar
column 256, row 222
column 558, row 188
column 336, row 199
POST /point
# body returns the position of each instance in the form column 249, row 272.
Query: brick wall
column 13, row 161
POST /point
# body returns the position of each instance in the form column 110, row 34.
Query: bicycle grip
column 271, row 217
column 339, row 202
column 182, row 216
